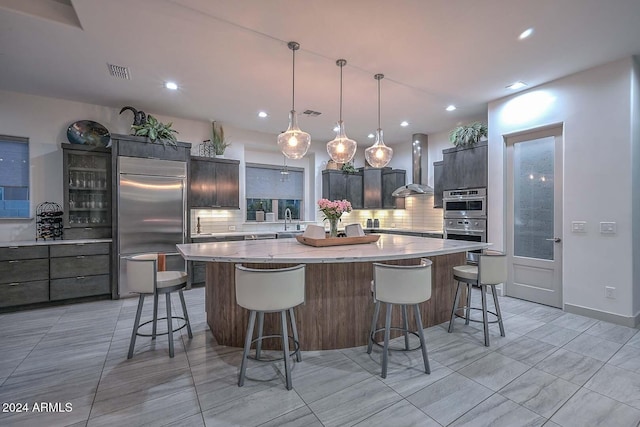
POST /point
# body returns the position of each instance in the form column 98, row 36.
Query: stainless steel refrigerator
column 151, row 211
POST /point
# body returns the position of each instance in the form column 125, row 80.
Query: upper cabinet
column 379, row 184
column 465, row 167
column 87, row 191
column 214, row 183
column 339, row 185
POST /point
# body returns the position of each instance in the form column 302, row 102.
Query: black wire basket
column 49, row 221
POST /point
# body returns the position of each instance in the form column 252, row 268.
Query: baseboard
column 630, row 321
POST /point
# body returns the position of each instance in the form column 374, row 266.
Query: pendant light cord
column 378, row 103
column 341, row 65
column 293, row 83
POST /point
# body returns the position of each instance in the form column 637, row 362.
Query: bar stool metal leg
column 155, row 316
column 136, row 324
column 374, row 322
column 405, row 325
column 495, row 301
column 184, row 313
column 169, row 325
column 285, row 348
column 485, row 320
column 385, row 351
column 456, row 300
column 294, row 328
column 468, row 310
column 247, row 345
column 425, row 356
column 260, row 331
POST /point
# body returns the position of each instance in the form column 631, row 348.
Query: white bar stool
column 402, row 285
column 267, row 291
column 144, row 278
column 490, row 271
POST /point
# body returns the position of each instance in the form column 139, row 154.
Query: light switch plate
column 579, row 226
column 608, row 228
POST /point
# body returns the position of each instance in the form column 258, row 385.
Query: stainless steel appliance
column 465, row 216
column 468, row 203
column 474, row 230
column 151, row 211
column 419, row 148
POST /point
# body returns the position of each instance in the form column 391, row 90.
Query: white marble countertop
column 52, row 242
column 388, row 247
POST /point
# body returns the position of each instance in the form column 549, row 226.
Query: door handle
column 554, row 240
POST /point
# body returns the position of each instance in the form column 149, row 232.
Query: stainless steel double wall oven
column 465, row 215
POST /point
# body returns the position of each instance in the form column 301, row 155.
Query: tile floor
column 552, row 369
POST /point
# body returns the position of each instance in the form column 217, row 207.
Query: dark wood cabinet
column 87, row 191
column 338, row 185
column 139, row 146
column 392, row 179
column 438, row 168
column 44, row 273
column 80, row 270
column 465, row 167
column 379, row 184
column 214, row 183
column 24, row 275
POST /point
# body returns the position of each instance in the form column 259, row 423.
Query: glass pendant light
column 294, row 143
column 341, row 149
column 378, row 155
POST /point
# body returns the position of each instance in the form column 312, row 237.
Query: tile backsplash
column 418, row 214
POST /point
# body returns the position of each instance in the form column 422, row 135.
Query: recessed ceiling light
column 451, row 108
column 516, row 85
column 370, row 136
column 526, row 33
column 404, row 124
column 262, row 114
column 171, row 85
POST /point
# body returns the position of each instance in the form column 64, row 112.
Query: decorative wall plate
column 88, row 132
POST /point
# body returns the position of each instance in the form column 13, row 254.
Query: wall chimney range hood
column 420, row 143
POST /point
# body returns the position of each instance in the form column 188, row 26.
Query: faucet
column 287, row 214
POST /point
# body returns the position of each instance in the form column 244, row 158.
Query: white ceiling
column 230, row 57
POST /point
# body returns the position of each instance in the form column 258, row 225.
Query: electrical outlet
column 232, row 228
column 610, row 292
column 579, row 226
column 607, row 228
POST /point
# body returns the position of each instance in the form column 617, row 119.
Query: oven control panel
column 465, row 224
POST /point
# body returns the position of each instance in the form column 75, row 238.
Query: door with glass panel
column 534, row 215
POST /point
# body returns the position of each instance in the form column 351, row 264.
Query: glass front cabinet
column 87, row 191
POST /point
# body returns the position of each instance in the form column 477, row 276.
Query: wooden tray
column 336, row 241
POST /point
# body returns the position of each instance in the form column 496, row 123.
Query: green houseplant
column 156, row 131
column 217, row 139
column 467, row 135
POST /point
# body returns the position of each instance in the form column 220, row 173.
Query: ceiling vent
column 312, row 113
column 119, row 71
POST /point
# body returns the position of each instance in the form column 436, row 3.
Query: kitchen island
column 338, row 304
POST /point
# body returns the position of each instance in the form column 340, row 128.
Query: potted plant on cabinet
column 468, row 135
column 218, row 142
column 156, row 131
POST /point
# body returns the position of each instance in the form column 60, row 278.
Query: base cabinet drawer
column 81, row 286
column 27, row 270
column 23, row 252
column 80, row 249
column 19, row 293
column 81, row 265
